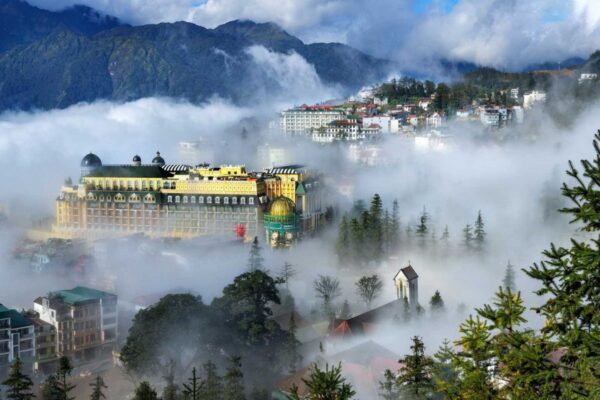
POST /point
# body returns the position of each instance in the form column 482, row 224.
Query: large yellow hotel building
column 165, row 200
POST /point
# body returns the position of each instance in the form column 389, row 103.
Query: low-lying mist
column 515, row 183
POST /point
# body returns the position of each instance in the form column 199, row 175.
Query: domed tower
column 158, row 160
column 281, row 222
column 89, row 162
column 137, row 161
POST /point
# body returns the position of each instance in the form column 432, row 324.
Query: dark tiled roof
column 130, row 171
column 360, row 324
column 17, row 320
column 409, row 272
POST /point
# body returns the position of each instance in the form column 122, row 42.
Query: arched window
column 144, row 185
column 177, row 199
column 251, row 200
column 169, row 199
column 217, row 200
column 193, row 199
column 185, row 199
column 234, row 200
column 137, row 185
column 242, row 200
column 208, row 200
column 201, row 199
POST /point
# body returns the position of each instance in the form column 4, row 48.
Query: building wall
column 301, row 121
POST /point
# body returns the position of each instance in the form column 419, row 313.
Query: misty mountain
column 552, row 66
column 56, row 59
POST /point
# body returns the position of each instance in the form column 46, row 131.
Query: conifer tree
column 256, row 260
column 145, row 392
column 394, row 230
column 344, row 240
column 233, row 385
column 569, row 278
column 97, row 386
column 445, row 236
column 325, row 384
column 212, row 384
column 388, row 388
column 327, row 288
column 170, row 390
column 18, row 383
column 50, row 390
column 422, row 229
column 444, row 373
column 468, row 237
column 292, row 345
column 287, row 272
column 345, row 312
column 64, row 371
column 436, row 304
column 191, row 390
column 479, row 232
column 414, row 376
column 509, row 278
column 357, row 240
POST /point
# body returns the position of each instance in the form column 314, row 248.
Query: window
column 151, row 185
column 169, row 199
column 128, row 185
column 193, row 199
column 143, row 185
column 157, row 185
column 225, row 200
column 201, row 199
column 177, row 199
column 217, row 200
column 208, row 200
column 251, row 200
column 185, row 199
column 242, row 200
column 167, row 185
column 122, row 184
column 173, row 185
column 137, row 185
column 108, row 198
column 234, row 200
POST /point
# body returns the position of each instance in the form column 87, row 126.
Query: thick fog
column 514, row 182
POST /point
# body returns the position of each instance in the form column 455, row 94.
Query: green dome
column 282, row 207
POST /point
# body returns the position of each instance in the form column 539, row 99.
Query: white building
column 301, row 120
column 424, row 104
column 387, row 123
column 587, row 77
column 433, row 121
column 407, row 285
column 514, row 93
column 17, row 339
column 532, row 98
column 463, row 115
column 346, row 130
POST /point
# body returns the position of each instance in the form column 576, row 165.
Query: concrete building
column 345, row 130
column 180, row 201
column 388, row 124
column 85, row 321
column 17, row 339
column 532, row 98
column 45, row 344
column 301, row 120
column 433, row 121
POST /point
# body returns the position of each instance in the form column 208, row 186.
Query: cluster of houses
column 80, row 323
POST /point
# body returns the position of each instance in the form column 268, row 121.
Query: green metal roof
column 129, row 171
column 17, row 320
column 81, row 294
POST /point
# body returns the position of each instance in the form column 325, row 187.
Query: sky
column 507, row 34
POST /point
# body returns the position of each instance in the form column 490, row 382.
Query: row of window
column 209, row 200
column 132, row 185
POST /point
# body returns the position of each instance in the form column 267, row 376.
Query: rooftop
column 130, row 171
column 81, row 294
column 17, row 320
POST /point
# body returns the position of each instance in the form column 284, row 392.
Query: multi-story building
column 532, row 98
column 345, row 130
column 301, row 120
column 17, row 339
column 388, row 124
column 179, row 200
column 45, row 344
column 84, row 319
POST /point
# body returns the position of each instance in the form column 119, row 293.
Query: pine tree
column 234, row 380
column 191, row 390
column 446, row 236
column 212, row 384
column 357, row 235
column 422, row 228
column 170, row 390
column 287, row 272
column 64, row 371
column 388, row 388
column 18, row 384
column 436, row 304
column 50, row 390
column 468, row 237
column 394, row 230
column 255, row 261
column 479, row 232
column 509, row 278
column 97, row 387
column 344, row 240
column 445, row 374
column 414, row 377
column 325, row 384
column 145, row 392
column 292, row 345
column 345, row 311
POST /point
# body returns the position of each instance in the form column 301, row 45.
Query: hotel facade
column 162, row 200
